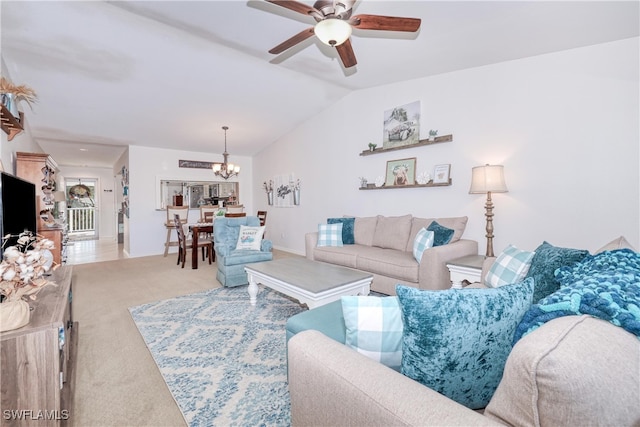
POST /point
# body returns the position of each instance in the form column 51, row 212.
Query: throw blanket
column 605, row 286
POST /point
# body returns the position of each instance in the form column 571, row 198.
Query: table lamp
column 488, row 179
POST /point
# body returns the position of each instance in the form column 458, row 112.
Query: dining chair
column 262, row 216
column 183, row 215
column 235, row 208
column 207, row 211
column 184, row 244
column 235, row 215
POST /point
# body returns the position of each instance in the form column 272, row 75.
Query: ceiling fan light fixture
column 333, row 31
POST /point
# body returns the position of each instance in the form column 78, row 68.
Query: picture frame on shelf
column 401, row 172
column 441, row 174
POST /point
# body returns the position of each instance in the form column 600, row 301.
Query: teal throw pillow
column 442, row 235
column 511, row 266
column 422, row 242
column 329, row 234
column 374, row 328
column 545, row 262
column 456, row 342
column 347, row 229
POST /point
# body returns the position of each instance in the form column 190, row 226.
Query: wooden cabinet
column 40, row 169
column 38, row 359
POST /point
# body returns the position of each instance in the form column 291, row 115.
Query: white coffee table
column 310, row 282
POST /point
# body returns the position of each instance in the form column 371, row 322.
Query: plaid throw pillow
column 423, row 241
column 330, row 234
column 374, row 328
column 511, row 266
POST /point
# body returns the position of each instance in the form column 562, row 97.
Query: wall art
column 401, row 172
column 401, row 125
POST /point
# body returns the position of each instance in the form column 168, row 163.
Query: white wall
column 146, row 232
column 564, row 125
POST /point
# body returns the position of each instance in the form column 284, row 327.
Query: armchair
column 231, row 261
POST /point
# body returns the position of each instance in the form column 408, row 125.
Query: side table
column 467, row 268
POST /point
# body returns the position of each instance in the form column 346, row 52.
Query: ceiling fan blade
column 301, row 36
column 296, row 6
column 346, row 53
column 386, row 23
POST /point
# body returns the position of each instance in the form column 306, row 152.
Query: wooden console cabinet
column 40, row 169
column 38, row 360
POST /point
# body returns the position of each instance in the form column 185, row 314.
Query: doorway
column 81, row 208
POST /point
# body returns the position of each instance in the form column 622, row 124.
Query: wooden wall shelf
column 393, row 187
column 423, row 142
column 10, row 124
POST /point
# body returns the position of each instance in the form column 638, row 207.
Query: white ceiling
column 171, row 73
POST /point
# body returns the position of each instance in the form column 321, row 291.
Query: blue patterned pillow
column 422, row 242
column 374, row 328
column 456, row 342
column 330, row 234
column 347, row 229
column 442, row 235
column 545, row 262
column 511, row 266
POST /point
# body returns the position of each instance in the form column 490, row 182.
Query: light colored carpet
column 117, row 381
column 223, row 359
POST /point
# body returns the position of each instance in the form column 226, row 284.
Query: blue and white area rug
column 223, row 360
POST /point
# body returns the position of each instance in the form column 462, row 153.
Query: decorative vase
column 270, row 197
column 296, row 197
column 13, row 315
column 9, row 101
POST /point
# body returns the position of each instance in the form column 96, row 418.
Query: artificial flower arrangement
column 268, row 187
column 21, row 92
column 24, row 265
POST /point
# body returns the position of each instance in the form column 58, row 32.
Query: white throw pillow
column 511, row 266
column 250, row 238
column 422, row 242
column 330, row 234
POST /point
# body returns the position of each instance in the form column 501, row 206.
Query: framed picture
column 441, row 174
column 401, row 125
column 401, row 172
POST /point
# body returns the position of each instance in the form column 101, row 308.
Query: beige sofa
column 384, row 247
column 572, row 371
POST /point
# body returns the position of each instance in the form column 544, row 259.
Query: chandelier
column 225, row 170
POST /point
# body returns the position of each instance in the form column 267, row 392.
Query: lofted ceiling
column 170, row 74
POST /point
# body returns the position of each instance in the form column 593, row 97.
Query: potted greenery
column 372, row 146
column 12, row 94
column 432, row 135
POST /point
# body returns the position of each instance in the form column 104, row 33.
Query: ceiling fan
column 334, row 24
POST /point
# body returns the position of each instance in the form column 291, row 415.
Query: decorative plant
column 363, row 181
column 24, row 266
column 433, row 134
column 372, row 146
column 21, row 92
column 268, row 187
column 294, row 185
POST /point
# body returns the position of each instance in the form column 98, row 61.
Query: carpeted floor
column 223, row 359
column 117, row 381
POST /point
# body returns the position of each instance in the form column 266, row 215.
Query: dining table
column 196, row 229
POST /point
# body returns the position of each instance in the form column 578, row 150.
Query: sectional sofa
column 568, row 369
column 383, row 246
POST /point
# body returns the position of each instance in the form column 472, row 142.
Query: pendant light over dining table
column 225, row 170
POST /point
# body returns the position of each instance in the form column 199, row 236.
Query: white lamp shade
column 488, row 178
column 332, row 31
column 236, row 169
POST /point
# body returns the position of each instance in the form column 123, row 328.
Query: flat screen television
column 17, row 207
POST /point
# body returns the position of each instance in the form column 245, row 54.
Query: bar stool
column 170, row 225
